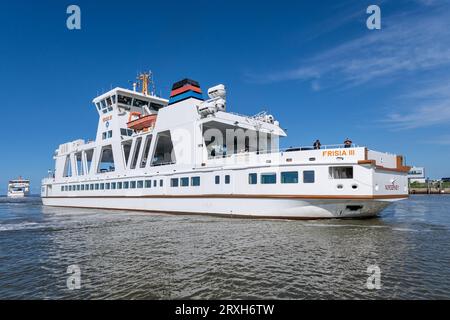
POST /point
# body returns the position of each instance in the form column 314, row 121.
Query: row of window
column 184, row 182
column 286, row 177
column 139, row 184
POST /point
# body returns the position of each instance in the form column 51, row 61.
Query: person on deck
column 317, row 144
column 348, row 143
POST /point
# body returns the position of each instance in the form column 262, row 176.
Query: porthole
column 340, row 186
column 354, row 186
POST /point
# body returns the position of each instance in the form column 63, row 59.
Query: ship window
column 113, row 185
column 125, row 184
column 96, row 186
column 102, row 186
column 92, row 187
column 195, row 181
column 137, row 148
column 82, row 187
column 148, row 183
column 148, row 141
column 107, row 186
column 217, row 179
column 289, row 177
column 126, row 147
column 160, row 182
column 104, row 110
column 103, row 104
column 119, row 185
column 79, row 161
column 252, row 178
column 68, row 167
column 104, row 135
column 140, row 184
column 268, row 178
column 132, row 184
column 124, row 100
column 227, row 179
column 154, row 183
column 70, row 188
column 308, row 176
column 98, row 106
column 78, row 187
column 139, row 103
column 174, row 182
column 108, row 101
column 341, row 172
column 110, row 134
column 106, row 163
column 89, row 156
column 185, row 182
column 62, row 188
column 66, row 188
column 113, row 98
column 164, row 152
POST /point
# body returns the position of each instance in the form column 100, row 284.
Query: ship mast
column 145, row 81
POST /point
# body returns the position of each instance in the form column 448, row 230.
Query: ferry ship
column 18, row 188
column 189, row 155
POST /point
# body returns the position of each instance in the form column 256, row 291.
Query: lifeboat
column 142, row 122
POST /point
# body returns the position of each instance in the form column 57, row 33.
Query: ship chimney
column 185, row 89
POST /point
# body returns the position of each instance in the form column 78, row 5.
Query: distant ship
column 190, row 155
column 18, row 188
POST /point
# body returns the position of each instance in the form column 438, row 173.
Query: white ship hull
column 233, row 207
column 16, row 194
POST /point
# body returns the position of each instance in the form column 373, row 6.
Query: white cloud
column 409, row 49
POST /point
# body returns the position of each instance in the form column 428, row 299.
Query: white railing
column 290, row 149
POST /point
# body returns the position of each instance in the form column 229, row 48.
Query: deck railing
column 290, row 149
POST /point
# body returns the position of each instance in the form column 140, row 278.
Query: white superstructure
column 186, row 155
column 18, row 188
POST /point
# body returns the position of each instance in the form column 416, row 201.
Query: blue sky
column 314, row 65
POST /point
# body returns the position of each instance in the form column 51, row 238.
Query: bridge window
column 106, row 163
column 308, row 176
column 164, row 152
column 185, row 182
column 289, row 177
column 124, row 100
column 252, row 178
column 139, row 103
column 148, row 141
column 137, row 148
column 341, row 172
column 195, row 181
column 268, row 178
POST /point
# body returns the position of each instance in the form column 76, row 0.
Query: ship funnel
column 185, row 89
